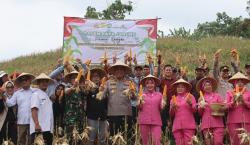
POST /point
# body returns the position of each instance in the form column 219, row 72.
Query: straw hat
column 157, row 81
column 2, row 73
column 210, row 79
column 67, row 76
column 182, row 81
column 6, row 85
column 119, row 64
column 42, row 76
column 24, row 75
column 99, row 71
column 239, row 76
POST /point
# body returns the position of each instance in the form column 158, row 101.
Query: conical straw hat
column 239, row 76
column 182, row 81
column 42, row 76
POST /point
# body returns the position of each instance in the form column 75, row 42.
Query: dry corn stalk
column 76, row 136
column 85, row 134
column 60, row 141
column 209, row 138
column 118, row 139
column 99, row 95
column 195, row 141
column 39, row 140
column 7, row 142
column 244, row 136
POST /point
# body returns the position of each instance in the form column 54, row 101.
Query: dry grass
column 34, row 63
column 188, row 50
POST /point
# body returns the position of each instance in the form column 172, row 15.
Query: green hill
column 188, row 50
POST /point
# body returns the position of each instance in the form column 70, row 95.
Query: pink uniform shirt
column 238, row 113
column 209, row 121
column 183, row 115
column 150, row 111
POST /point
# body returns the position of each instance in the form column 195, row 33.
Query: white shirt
column 42, row 102
column 21, row 98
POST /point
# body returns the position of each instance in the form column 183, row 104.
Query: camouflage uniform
column 74, row 111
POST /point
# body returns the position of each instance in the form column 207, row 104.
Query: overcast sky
column 29, row 26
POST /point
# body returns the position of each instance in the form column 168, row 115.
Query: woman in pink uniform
column 182, row 108
column 238, row 103
column 211, row 125
column 149, row 111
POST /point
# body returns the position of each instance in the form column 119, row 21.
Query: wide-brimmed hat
column 22, row 75
column 238, row 76
column 182, row 81
column 7, row 84
column 208, row 78
column 119, row 64
column 99, row 71
column 157, row 81
column 42, row 76
column 2, row 73
column 68, row 76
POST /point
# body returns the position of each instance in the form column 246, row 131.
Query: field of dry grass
column 188, row 50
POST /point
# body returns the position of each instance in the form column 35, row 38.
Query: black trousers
column 117, row 124
column 9, row 131
column 47, row 136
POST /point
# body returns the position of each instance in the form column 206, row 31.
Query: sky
column 31, row 26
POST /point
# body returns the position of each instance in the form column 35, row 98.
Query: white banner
column 90, row 38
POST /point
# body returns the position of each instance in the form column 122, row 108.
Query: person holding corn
column 151, row 103
column 182, row 109
column 212, row 125
column 238, row 103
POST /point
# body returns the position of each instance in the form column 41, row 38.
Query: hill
column 188, row 50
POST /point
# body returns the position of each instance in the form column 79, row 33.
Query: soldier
column 74, row 102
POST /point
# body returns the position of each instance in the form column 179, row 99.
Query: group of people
column 115, row 99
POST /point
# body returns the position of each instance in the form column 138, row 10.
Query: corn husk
column 76, row 136
column 194, row 141
column 244, row 136
column 218, row 51
column 202, row 101
column 60, row 141
column 164, row 93
column 85, row 134
column 88, row 76
column 87, row 62
column 174, row 100
column 141, row 99
column 79, row 75
column 39, row 140
column 118, row 139
column 7, row 142
column 209, row 138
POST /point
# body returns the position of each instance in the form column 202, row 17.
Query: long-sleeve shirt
column 21, row 98
column 118, row 103
column 223, row 85
column 183, row 114
column 150, row 110
column 208, row 120
column 238, row 113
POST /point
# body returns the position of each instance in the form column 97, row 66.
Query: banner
column 90, row 38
